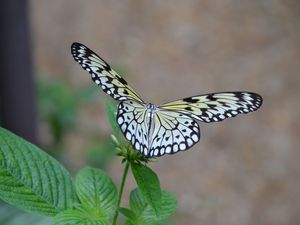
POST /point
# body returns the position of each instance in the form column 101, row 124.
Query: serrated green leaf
column 145, row 215
column 79, row 217
column 96, row 191
column 148, row 184
column 32, row 180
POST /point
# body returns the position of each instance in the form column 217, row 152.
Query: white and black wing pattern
column 102, row 74
column 172, row 132
column 132, row 119
column 169, row 132
column 216, row 107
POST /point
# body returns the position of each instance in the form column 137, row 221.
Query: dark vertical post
column 17, row 105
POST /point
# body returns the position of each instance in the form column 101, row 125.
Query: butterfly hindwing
column 173, row 132
column 131, row 118
column 102, row 74
column 169, row 133
column 216, row 107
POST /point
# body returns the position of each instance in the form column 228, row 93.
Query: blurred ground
column 245, row 170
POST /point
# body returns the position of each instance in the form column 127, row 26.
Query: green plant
column 35, row 182
column 58, row 105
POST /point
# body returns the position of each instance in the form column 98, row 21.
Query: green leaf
column 145, row 215
column 96, row 192
column 111, row 111
column 148, row 184
column 79, row 217
column 98, row 196
column 32, row 180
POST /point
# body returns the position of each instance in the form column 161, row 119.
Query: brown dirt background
column 245, row 170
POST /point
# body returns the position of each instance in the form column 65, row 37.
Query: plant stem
column 121, row 192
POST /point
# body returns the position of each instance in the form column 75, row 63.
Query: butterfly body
column 150, row 122
column 168, row 128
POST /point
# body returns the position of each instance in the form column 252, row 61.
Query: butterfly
column 165, row 129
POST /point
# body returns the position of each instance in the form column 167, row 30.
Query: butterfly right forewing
column 216, row 107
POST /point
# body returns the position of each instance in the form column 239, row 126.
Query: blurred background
column 244, row 171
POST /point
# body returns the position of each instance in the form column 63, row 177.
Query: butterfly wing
column 172, row 132
column 102, row 74
column 132, row 119
column 216, row 107
column 169, row 133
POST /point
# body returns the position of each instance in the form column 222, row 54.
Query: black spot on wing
column 211, row 97
column 190, row 100
column 121, row 80
column 188, row 108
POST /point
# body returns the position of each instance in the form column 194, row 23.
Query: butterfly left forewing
column 102, row 74
column 216, row 107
